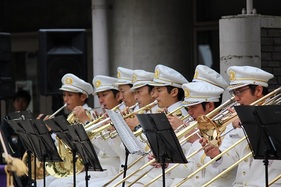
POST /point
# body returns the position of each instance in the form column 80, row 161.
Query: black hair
column 215, row 103
column 22, row 94
column 115, row 92
column 253, row 88
column 150, row 88
column 86, row 100
column 180, row 92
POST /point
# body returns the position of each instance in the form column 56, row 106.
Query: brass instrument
column 65, row 168
column 269, row 99
column 94, row 130
column 185, row 132
column 99, row 121
column 176, row 112
column 34, row 161
column 142, row 109
column 144, row 166
column 72, row 119
column 211, row 161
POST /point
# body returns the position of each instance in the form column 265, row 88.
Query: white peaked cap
column 240, row 76
column 199, row 92
column 104, row 83
column 124, row 76
column 141, row 78
column 206, row 74
column 166, row 76
column 72, row 83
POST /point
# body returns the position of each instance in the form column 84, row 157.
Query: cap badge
column 156, row 74
column 118, row 74
column 186, row 93
column 196, row 74
column 97, row 83
column 68, row 80
column 134, row 79
column 232, row 75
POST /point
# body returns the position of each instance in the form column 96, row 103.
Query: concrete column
column 240, row 40
column 100, row 39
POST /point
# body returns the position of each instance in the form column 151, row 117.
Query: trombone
column 269, row 99
column 183, row 133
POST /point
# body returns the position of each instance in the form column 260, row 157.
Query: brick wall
column 271, row 54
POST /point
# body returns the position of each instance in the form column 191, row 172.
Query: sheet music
column 125, row 133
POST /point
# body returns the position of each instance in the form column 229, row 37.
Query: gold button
column 244, row 172
column 197, row 177
column 198, row 165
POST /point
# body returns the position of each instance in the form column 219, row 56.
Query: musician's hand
column 193, row 137
column 111, row 128
column 209, row 149
column 43, row 116
column 155, row 164
column 236, row 123
column 175, row 121
column 132, row 122
column 16, row 165
column 80, row 113
column 126, row 111
column 96, row 114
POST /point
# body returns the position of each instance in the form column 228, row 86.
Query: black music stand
column 162, row 139
column 16, row 147
column 85, row 149
column 263, row 128
column 131, row 144
column 37, row 140
column 59, row 126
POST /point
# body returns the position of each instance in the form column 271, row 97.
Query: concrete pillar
column 100, row 39
column 240, row 39
column 240, row 42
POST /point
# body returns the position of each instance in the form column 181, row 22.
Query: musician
column 75, row 95
column 201, row 98
column 124, row 84
column 108, row 150
column 202, row 73
column 169, row 95
column 247, row 84
column 143, row 94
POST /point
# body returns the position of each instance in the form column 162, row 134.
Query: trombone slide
column 210, row 162
column 227, row 170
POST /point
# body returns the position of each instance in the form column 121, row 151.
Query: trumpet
column 142, row 109
column 99, row 121
column 96, row 129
